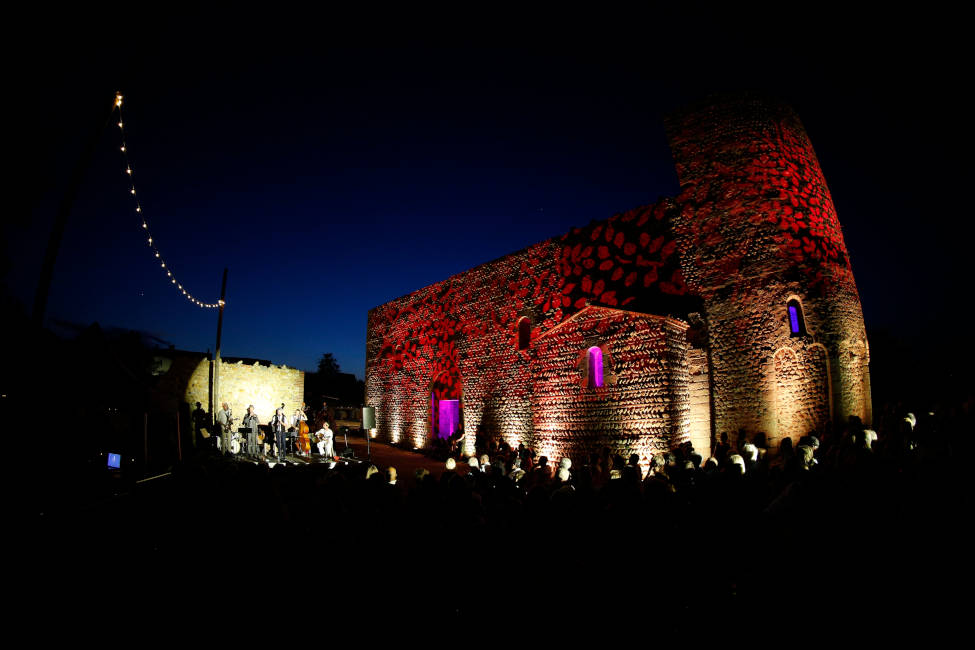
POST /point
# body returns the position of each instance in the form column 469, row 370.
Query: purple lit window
column 796, row 325
column 794, row 319
column 595, row 367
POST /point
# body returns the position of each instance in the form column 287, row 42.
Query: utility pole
column 215, row 386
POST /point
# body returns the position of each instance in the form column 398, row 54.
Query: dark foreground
column 870, row 539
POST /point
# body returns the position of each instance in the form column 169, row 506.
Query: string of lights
column 145, row 223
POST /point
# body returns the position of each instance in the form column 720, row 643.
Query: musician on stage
column 225, row 421
column 250, row 423
column 300, row 423
column 280, row 427
column 325, row 440
column 199, row 420
column 298, row 417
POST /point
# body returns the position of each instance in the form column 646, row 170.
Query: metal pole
column 179, row 444
column 215, row 386
column 145, row 441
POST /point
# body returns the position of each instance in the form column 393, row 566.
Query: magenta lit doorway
column 448, row 417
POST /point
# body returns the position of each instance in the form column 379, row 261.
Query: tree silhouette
column 328, row 366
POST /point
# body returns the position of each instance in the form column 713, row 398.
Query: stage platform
column 379, row 454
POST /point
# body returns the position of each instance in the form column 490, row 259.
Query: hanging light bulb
column 145, row 224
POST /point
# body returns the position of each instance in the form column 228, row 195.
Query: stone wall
column 458, row 339
column 699, row 401
column 241, row 384
column 643, row 405
column 756, row 227
column 752, row 228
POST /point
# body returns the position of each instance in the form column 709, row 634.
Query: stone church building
column 729, row 306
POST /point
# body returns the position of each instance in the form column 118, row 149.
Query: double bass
column 304, row 441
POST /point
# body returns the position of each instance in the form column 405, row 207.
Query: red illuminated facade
column 689, row 302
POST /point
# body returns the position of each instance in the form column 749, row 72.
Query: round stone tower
column 760, row 242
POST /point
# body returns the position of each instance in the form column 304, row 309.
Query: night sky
column 336, row 164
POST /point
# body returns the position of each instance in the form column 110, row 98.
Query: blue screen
column 114, row 460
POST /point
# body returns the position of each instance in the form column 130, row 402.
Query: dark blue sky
column 335, row 167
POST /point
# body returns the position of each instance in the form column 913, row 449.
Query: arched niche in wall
column 524, row 333
column 446, row 405
column 787, row 384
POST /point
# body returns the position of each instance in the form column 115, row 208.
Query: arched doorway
column 446, row 405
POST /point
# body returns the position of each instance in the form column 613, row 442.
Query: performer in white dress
column 325, row 440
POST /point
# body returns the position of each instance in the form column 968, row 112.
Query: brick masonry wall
column 756, row 227
column 753, row 227
column 643, row 406
column 457, row 339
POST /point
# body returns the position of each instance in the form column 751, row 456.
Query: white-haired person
column 450, row 471
column 735, row 460
column 251, row 423
column 325, row 441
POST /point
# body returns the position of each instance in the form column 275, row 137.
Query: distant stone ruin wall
column 643, row 406
column 266, row 387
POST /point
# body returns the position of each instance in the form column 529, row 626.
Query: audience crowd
column 848, row 523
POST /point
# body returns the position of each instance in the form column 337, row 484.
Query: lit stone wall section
column 756, row 226
column 643, row 406
column 699, row 401
column 266, row 387
column 464, row 329
column 753, row 227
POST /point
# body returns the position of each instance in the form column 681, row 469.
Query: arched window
column 595, row 358
column 797, row 324
column 524, row 333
